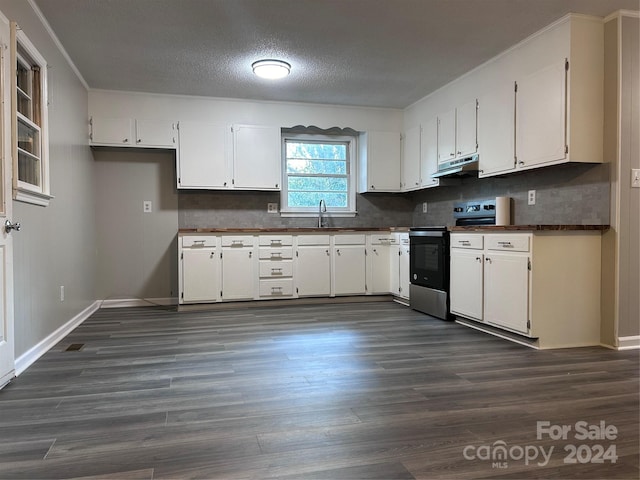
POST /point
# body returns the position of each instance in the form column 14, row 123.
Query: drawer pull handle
column 464, row 242
column 276, row 254
column 276, row 271
column 505, row 244
column 276, row 289
column 201, row 242
column 276, row 242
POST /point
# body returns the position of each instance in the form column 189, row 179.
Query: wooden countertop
column 528, row 228
column 293, row 230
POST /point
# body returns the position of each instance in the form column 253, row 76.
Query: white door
column 257, row 160
column 411, row 159
column 200, row 275
column 204, row 155
column 506, row 291
column 237, row 273
column 466, row 129
column 465, row 291
column 380, row 281
column 429, row 153
column 7, row 366
column 541, row 116
column 446, row 136
column 496, row 130
column 404, row 270
column 349, row 273
column 313, row 271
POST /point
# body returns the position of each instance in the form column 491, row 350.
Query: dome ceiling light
column 271, row 69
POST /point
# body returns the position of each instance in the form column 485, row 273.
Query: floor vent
column 74, row 347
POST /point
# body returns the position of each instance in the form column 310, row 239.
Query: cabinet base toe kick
column 499, row 332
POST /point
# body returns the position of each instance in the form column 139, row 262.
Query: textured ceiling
column 385, row 53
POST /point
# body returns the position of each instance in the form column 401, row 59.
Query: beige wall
column 136, row 251
column 621, row 251
column 57, row 243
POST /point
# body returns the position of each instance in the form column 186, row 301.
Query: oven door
column 428, row 259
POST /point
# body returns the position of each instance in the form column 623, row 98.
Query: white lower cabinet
column 199, row 269
column 349, row 265
column 227, row 267
column 313, row 266
column 543, row 285
column 238, row 268
column 466, row 289
column 405, row 280
column 200, row 275
column 379, row 276
column 275, row 266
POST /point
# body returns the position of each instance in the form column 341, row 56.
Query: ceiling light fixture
column 271, row 69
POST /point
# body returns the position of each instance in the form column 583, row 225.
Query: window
column 31, row 168
column 315, row 168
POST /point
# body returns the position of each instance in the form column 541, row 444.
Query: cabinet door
column 257, row 157
column 466, row 129
column 313, row 271
column 379, row 259
column 506, row 290
column 203, row 155
column 411, row 159
column 380, row 155
column 394, row 269
column 200, row 275
column 466, row 283
column 541, row 116
column 446, row 136
column 156, row 133
column 404, row 271
column 112, row 131
column 496, row 131
column 429, row 153
column 238, row 273
column 349, row 270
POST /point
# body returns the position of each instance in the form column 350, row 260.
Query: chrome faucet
column 322, row 208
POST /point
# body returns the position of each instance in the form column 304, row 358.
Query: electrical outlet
column 424, row 207
column 531, row 199
column 635, row 178
column 272, row 208
column 62, row 293
column 147, row 206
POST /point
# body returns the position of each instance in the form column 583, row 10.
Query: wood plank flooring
column 345, row 391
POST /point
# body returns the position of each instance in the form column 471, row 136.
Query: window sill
column 315, row 214
column 28, row 196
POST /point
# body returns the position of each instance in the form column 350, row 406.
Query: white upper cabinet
column 379, row 157
column 552, row 111
column 540, row 116
column 496, row 130
column 129, row 132
column 429, row 153
column 457, row 132
column 257, row 157
column 411, row 159
column 204, row 155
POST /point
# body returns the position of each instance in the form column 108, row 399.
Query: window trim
column 23, row 51
column 352, row 149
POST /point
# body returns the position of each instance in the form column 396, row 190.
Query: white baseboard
column 137, row 302
column 27, row 359
column 629, row 343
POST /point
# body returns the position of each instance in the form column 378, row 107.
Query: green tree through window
column 317, row 170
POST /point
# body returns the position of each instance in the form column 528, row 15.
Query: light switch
column 635, row 178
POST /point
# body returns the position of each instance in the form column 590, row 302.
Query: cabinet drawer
column 349, row 239
column 270, row 269
column 276, row 288
column 313, row 240
column 384, row 239
column 467, row 241
column 237, row 241
column 275, row 240
column 276, row 253
column 513, row 243
column 198, row 241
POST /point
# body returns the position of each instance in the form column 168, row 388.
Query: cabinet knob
column 126, row 140
column 327, row 252
column 452, row 154
column 139, row 140
column 373, row 187
column 479, row 259
column 459, row 153
column 488, row 260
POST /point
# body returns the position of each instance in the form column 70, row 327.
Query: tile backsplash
column 237, row 209
column 566, row 194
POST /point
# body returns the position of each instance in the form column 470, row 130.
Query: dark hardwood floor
column 354, row 391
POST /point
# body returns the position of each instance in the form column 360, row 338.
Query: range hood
column 458, row 168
